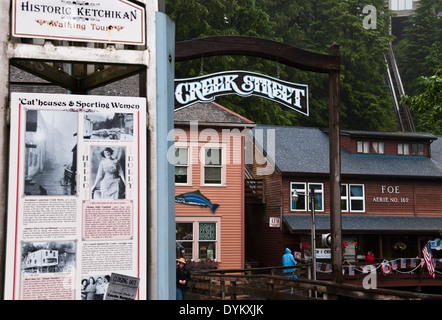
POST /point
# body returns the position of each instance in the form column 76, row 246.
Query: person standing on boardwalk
column 182, row 279
column 289, row 260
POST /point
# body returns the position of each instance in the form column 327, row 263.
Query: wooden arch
column 303, row 60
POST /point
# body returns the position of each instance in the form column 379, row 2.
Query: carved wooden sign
column 242, row 83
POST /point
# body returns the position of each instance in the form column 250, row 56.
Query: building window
column 213, row 166
column 356, row 194
column 363, row 147
column 303, row 203
column 207, row 241
column 344, row 197
column 181, row 165
column 203, row 246
column 300, row 204
column 184, row 240
column 417, row 149
column 401, row 5
column 352, row 198
column 378, row 147
column 403, row 149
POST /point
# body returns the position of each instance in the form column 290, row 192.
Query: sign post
column 122, row 22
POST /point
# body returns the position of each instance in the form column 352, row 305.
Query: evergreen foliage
column 307, row 24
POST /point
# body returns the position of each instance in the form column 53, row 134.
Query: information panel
column 77, row 197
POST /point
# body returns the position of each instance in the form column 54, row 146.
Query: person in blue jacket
column 289, row 260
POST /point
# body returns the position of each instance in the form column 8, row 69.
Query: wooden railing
column 273, row 284
column 254, row 190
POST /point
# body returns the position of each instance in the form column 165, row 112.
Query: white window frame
column 222, row 147
column 378, row 147
column 304, row 192
column 348, row 197
column 363, row 147
column 345, row 197
column 189, row 167
column 357, row 198
column 195, row 220
column 301, row 193
column 403, row 149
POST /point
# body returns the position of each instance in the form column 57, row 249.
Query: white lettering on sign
column 390, row 189
column 206, row 88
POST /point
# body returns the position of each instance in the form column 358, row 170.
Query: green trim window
column 197, row 240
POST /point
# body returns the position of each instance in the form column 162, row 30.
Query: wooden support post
column 4, row 133
column 335, row 170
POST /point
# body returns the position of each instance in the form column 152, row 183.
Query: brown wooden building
column 391, row 193
column 209, row 184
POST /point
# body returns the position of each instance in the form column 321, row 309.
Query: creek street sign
column 107, row 21
column 242, row 83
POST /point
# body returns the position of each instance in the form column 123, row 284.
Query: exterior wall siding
column 229, row 196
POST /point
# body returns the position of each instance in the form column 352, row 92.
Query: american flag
column 428, row 257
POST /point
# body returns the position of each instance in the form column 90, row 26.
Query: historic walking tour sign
column 108, row 21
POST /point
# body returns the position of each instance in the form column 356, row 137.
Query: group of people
column 94, row 289
column 288, row 260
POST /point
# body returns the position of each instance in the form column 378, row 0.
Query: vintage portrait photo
column 108, row 172
column 51, row 152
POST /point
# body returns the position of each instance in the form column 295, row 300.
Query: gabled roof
column 306, row 150
column 212, row 114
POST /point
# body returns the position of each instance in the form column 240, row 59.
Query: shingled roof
column 360, row 223
column 306, row 150
column 210, row 113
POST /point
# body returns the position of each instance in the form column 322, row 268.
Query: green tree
column 428, row 104
column 420, row 50
column 312, row 25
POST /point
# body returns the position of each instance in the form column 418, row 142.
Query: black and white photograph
column 48, row 257
column 94, row 287
column 51, row 152
column 107, row 172
column 108, row 126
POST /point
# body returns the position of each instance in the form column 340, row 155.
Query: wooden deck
column 272, row 284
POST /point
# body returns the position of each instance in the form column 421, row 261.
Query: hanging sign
column 242, row 83
column 323, row 253
column 109, row 21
